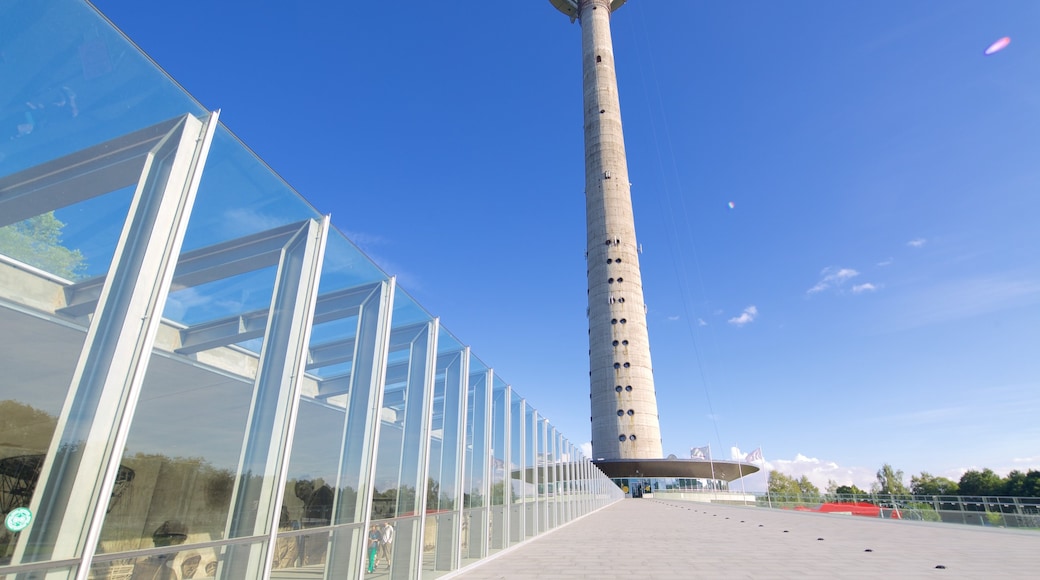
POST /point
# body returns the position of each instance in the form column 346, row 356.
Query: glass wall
column 476, row 480
column 516, row 467
column 204, row 378
column 500, row 477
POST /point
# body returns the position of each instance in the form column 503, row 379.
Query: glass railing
column 1005, row 512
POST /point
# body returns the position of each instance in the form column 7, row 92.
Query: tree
column 849, row 490
column 1020, row 484
column 782, row 484
column 787, row 485
column 984, row 482
column 890, row 481
column 928, row 484
column 37, row 242
column 806, row 487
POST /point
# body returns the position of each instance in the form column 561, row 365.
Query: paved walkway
column 650, row 538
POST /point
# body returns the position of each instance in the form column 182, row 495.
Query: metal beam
column 198, row 267
column 79, row 176
column 235, row 329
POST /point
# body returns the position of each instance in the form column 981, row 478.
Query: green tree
column 984, row 482
column 849, row 490
column 928, row 484
column 782, row 484
column 806, row 487
column 890, row 481
column 37, row 242
column 1020, row 484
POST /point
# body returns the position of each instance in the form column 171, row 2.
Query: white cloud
column 885, row 262
column 673, row 318
column 749, row 314
column 819, row 471
column 866, row 287
column 917, row 243
column 831, row 277
column 700, row 322
column 586, row 448
column 958, row 299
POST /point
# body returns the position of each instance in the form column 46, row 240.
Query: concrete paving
column 647, row 538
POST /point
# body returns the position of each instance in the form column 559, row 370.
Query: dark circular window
column 610, row 281
column 631, row 412
column 620, row 413
column 618, row 260
column 627, row 365
column 612, row 321
column 609, row 261
column 608, row 242
column 621, row 300
column 632, row 437
column 623, row 321
column 628, row 387
column 624, row 342
column 617, row 365
column 620, row 437
column 615, row 343
column 617, row 388
column 620, row 280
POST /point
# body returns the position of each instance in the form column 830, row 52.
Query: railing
column 1006, row 512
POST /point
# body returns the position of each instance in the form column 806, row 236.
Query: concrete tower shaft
column 625, row 422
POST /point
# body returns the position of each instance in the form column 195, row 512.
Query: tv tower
column 624, row 403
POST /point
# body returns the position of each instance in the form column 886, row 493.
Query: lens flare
column 998, row 46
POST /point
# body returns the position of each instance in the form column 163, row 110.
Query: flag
column 700, row 452
column 754, row 456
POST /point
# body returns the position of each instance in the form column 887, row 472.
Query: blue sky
column 872, row 296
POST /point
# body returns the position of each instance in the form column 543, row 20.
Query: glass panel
column 475, row 523
column 442, row 500
column 404, row 418
column 550, row 476
column 67, row 77
column 499, row 466
column 330, row 461
column 181, row 457
column 516, row 467
column 402, row 429
column 572, row 495
column 476, row 444
column 299, row 554
column 187, row 435
column 182, row 562
column 38, row 363
column 530, row 470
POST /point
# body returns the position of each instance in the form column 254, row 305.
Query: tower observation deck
column 624, row 403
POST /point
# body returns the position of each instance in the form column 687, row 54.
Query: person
column 169, row 533
column 373, row 547
column 386, row 539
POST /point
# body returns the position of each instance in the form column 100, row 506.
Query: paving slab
column 648, row 538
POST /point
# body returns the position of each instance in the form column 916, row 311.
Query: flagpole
column 711, row 464
column 740, row 471
column 769, row 498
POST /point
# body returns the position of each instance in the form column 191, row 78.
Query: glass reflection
column 475, row 528
column 499, row 463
